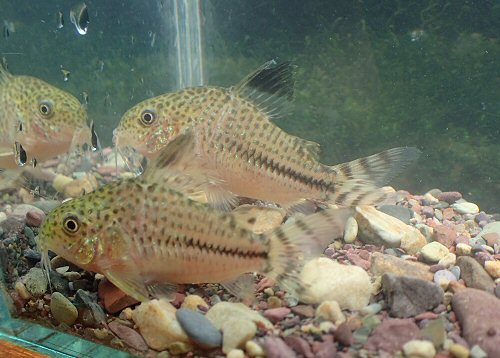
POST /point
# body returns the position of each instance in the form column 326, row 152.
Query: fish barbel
column 145, row 235
column 37, row 121
column 248, row 155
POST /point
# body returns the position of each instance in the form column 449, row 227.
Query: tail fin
column 358, row 182
column 294, row 243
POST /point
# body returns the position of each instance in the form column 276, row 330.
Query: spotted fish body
column 242, row 150
column 37, row 120
column 145, row 235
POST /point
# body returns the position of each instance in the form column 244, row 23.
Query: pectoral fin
column 130, row 283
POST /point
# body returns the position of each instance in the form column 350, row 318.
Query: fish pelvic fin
column 270, row 87
column 359, row 182
column 300, row 240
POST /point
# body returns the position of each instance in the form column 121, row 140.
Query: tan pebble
column 58, row 261
column 102, row 333
column 62, row 270
column 493, row 268
column 351, row 230
column 99, row 276
column 449, row 260
column 274, row 302
column 419, row 349
column 163, row 354
column 158, row 325
column 330, row 311
column 126, row 313
column 310, row 328
column 117, row 342
column 236, row 353
column 269, row 291
column 463, row 249
column 326, row 326
column 193, row 301
column 447, row 298
column 22, row 291
column 253, row 349
column 178, row 348
column 458, row 351
column 236, row 332
column 72, row 275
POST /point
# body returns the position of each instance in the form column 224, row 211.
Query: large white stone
column 327, row 280
column 158, row 325
column 433, row 252
column 378, row 228
column 465, row 208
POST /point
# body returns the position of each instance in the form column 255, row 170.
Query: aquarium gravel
column 410, row 278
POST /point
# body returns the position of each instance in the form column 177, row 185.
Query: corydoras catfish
column 37, row 121
column 245, row 153
column 146, row 236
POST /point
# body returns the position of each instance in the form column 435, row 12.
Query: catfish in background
column 244, row 153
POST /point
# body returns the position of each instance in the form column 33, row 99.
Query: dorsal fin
column 270, row 87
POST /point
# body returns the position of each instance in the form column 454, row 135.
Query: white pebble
column 448, row 260
column 419, row 349
column 463, row 249
column 351, row 230
column 253, row 349
column 465, row 208
column 236, row 353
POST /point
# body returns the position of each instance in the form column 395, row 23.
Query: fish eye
column 45, row 109
column 147, row 117
column 71, row 224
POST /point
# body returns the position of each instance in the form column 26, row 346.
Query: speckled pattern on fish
column 43, row 119
column 145, row 236
column 247, row 154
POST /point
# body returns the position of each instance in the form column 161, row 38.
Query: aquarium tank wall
column 370, row 75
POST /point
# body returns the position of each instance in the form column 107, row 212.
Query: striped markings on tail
column 296, row 242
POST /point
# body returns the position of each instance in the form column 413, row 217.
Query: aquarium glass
column 371, row 75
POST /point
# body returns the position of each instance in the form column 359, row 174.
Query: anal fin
column 162, row 290
column 242, row 287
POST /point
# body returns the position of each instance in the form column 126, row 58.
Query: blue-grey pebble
column 30, row 235
column 32, row 255
column 199, row 329
column 374, row 308
column 1, row 231
column 455, row 270
column 47, row 205
column 399, row 212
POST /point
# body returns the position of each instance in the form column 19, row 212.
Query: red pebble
column 426, row 315
column 114, row 299
column 34, row 218
column 276, row 314
column 177, row 299
column 448, row 213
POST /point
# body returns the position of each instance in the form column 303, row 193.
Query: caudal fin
column 358, row 182
column 296, row 242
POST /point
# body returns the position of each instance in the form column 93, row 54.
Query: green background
column 371, row 74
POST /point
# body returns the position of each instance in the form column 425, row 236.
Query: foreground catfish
column 146, row 236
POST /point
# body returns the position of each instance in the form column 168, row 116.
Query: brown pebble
column 304, row 310
column 114, row 299
column 343, row 334
column 34, row 218
column 491, row 331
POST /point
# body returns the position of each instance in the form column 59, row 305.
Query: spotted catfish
column 145, row 235
column 245, row 153
column 37, row 121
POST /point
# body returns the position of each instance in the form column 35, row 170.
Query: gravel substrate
column 418, row 279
